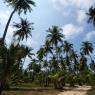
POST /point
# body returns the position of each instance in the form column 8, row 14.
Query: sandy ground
column 67, row 91
column 76, row 91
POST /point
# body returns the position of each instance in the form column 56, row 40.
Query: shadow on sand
column 91, row 91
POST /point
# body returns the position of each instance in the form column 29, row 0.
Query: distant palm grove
column 55, row 64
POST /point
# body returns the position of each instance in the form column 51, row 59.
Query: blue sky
column 70, row 15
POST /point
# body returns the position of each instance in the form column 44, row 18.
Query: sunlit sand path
column 76, row 91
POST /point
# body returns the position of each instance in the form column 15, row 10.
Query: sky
column 70, row 15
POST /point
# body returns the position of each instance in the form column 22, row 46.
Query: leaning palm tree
column 23, row 29
column 18, row 6
column 91, row 15
column 87, row 48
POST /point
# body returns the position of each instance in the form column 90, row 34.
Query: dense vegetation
column 55, row 64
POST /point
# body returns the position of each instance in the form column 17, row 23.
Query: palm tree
column 34, row 66
column 74, row 57
column 27, row 53
column 53, row 64
column 67, row 47
column 18, row 6
column 92, row 65
column 55, row 37
column 41, row 53
column 87, row 48
column 23, row 29
column 83, row 63
column 12, row 58
column 47, row 48
column 91, row 15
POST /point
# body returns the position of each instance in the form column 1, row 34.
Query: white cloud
column 83, row 4
column 74, row 8
column 71, row 31
column 9, row 34
column 90, row 35
column 4, row 17
column 81, row 17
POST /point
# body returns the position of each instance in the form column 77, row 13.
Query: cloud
column 90, row 35
column 9, row 35
column 83, row 4
column 74, row 8
column 71, row 31
column 4, row 17
column 81, row 17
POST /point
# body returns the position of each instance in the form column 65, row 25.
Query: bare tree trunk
column 7, row 25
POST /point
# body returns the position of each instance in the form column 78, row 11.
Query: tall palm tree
column 92, row 65
column 83, row 63
column 18, row 6
column 74, row 57
column 55, row 37
column 67, row 47
column 26, row 53
column 91, row 15
column 87, row 48
column 41, row 53
column 23, row 29
column 47, row 48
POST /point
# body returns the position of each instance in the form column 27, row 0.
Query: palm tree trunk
column 90, row 57
column 1, row 89
column 7, row 25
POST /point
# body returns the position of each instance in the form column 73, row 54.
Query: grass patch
column 14, row 93
column 43, row 92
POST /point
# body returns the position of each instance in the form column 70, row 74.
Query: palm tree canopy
column 21, row 5
column 48, row 48
column 67, row 47
column 87, row 48
column 83, row 63
column 41, row 53
column 74, row 55
column 23, row 29
column 91, row 15
column 55, row 36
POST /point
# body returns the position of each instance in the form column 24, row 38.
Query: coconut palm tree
column 91, row 15
column 67, row 47
column 55, row 37
column 47, row 48
column 27, row 53
column 74, row 58
column 41, row 54
column 12, row 57
column 87, row 48
column 23, row 29
column 18, row 6
column 83, row 63
column 92, row 65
